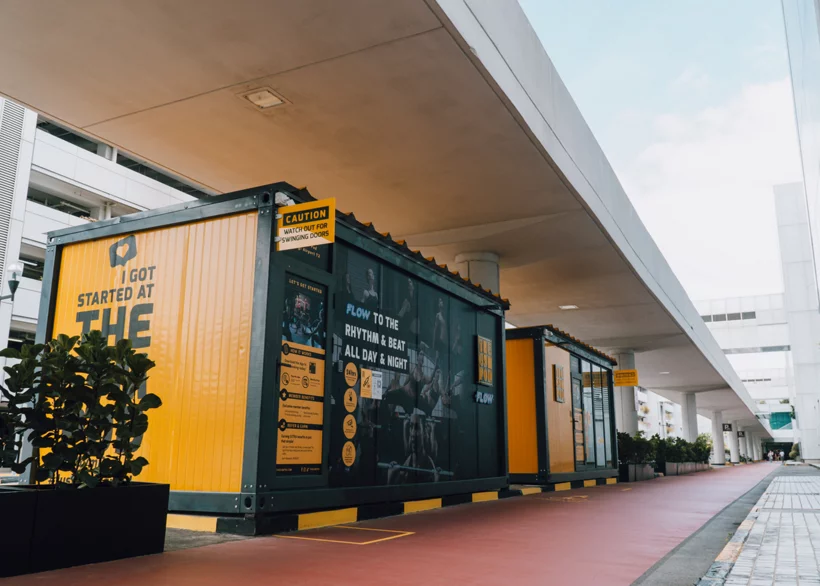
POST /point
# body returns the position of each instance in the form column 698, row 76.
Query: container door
column 301, row 395
column 578, row 414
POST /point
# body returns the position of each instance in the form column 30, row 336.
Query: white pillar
column 749, row 451
column 481, row 268
column 734, row 450
column 719, row 456
column 626, row 410
column 689, row 412
column 741, row 442
column 756, row 444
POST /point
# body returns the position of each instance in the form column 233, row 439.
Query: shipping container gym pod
column 560, row 409
column 324, row 376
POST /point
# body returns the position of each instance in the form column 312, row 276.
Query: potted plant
column 80, row 404
column 794, row 454
column 635, row 454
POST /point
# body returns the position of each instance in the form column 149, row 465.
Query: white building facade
column 754, row 334
column 51, row 178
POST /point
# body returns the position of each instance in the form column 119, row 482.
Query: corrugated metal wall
column 200, row 294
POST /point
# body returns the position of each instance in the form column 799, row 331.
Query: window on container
column 589, row 427
column 733, row 317
column 598, row 415
column 32, row 267
column 607, row 393
column 719, row 317
column 748, row 315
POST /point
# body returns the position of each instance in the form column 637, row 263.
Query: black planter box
column 45, row 529
column 678, row 468
column 635, row 472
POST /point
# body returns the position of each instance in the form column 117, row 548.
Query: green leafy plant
column 794, row 454
column 635, row 449
column 76, row 401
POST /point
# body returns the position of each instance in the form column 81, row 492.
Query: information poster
column 301, row 380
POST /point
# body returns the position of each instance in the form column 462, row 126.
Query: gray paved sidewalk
column 782, row 547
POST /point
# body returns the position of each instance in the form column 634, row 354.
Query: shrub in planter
column 794, row 454
column 635, row 455
column 78, row 402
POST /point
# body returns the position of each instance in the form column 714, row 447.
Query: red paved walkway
column 611, row 536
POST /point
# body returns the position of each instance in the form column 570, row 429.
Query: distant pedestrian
column 782, row 456
column 770, row 455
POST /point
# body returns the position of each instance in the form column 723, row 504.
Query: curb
column 312, row 520
column 725, row 561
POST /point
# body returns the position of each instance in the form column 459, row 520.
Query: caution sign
column 625, row 378
column 306, row 224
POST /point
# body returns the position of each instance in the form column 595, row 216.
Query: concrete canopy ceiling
column 442, row 122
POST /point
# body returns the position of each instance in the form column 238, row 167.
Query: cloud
column 691, row 78
column 703, row 187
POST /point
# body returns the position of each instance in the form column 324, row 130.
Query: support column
column 749, row 451
column 689, row 413
column 719, row 456
column 626, row 405
column 757, row 450
column 741, row 443
column 481, row 268
column 734, row 449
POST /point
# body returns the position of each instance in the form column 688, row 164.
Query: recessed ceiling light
column 567, row 307
column 264, row 98
column 664, row 372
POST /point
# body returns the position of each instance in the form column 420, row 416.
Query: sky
column 691, row 102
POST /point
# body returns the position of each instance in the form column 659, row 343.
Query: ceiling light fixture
column 567, row 307
column 264, row 98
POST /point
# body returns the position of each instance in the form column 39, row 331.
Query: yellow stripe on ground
column 480, row 497
column 530, row 490
column 589, row 483
column 327, row 518
column 425, row 505
column 563, row 486
column 612, row 481
column 192, row 523
column 730, row 552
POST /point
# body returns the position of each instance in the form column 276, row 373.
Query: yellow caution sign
column 306, row 224
column 625, row 378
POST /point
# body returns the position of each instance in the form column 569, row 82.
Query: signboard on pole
column 625, row 378
column 741, row 434
column 306, row 224
column 727, row 427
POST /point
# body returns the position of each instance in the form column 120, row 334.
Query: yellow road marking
column 625, row 489
column 372, row 541
column 425, row 505
column 730, row 552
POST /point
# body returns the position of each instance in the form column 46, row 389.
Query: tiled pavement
column 782, row 535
